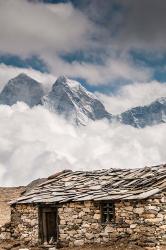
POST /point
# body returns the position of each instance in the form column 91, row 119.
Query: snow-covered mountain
column 70, row 99
column 22, row 88
column 149, row 115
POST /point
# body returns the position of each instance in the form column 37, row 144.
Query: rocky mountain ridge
column 22, row 89
column 71, row 100
column 142, row 116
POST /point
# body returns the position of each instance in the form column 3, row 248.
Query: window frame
column 109, row 206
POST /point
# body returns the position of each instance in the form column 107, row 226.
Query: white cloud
column 9, row 72
column 132, row 95
column 113, row 69
column 94, row 74
column 47, row 30
column 27, row 28
column 36, row 143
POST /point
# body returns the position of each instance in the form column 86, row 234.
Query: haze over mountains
column 71, row 100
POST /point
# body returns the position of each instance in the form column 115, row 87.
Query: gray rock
column 149, row 115
column 70, row 99
column 22, row 89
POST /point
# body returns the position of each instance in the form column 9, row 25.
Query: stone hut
column 103, row 206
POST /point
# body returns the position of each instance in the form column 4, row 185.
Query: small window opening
column 107, row 212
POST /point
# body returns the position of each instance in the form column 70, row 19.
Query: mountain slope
column 22, row 88
column 149, row 115
column 70, row 99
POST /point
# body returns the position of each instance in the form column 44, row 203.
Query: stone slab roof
column 110, row 184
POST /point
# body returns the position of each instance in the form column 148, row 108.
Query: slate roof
column 110, row 184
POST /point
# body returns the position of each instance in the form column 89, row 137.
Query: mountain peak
column 142, row 116
column 66, row 82
column 22, row 88
column 70, row 99
column 62, row 79
column 73, row 101
column 22, row 75
column 162, row 100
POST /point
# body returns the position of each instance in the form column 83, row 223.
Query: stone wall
column 142, row 222
column 24, row 223
column 6, row 195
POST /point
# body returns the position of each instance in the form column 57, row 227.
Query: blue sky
column 98, row 42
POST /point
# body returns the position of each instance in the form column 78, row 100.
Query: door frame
column 43, row 209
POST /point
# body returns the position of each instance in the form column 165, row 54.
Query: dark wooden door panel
column 51, row 226
column 48, row 225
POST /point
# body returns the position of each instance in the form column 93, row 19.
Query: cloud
column 144, row 25
column 133, row 95
column 36, row 28
column 95, row 75
column 49, row 30
column 129, row 24
column 9, row 72
column 36, row 143
column 113, row 69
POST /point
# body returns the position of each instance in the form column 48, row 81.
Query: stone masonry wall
column 140, row 222
column 6, row 195
column 24, row 223
column 143, row 222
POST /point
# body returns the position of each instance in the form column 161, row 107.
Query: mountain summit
column 70, row 99
column 22, row 88
column 143, row 116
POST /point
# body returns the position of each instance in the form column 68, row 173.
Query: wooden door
column 51, row 226
column 48, row 225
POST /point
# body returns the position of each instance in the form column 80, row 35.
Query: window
column 107, row 212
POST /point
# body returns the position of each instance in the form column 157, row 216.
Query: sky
column 102, row 42
column 115, row 48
